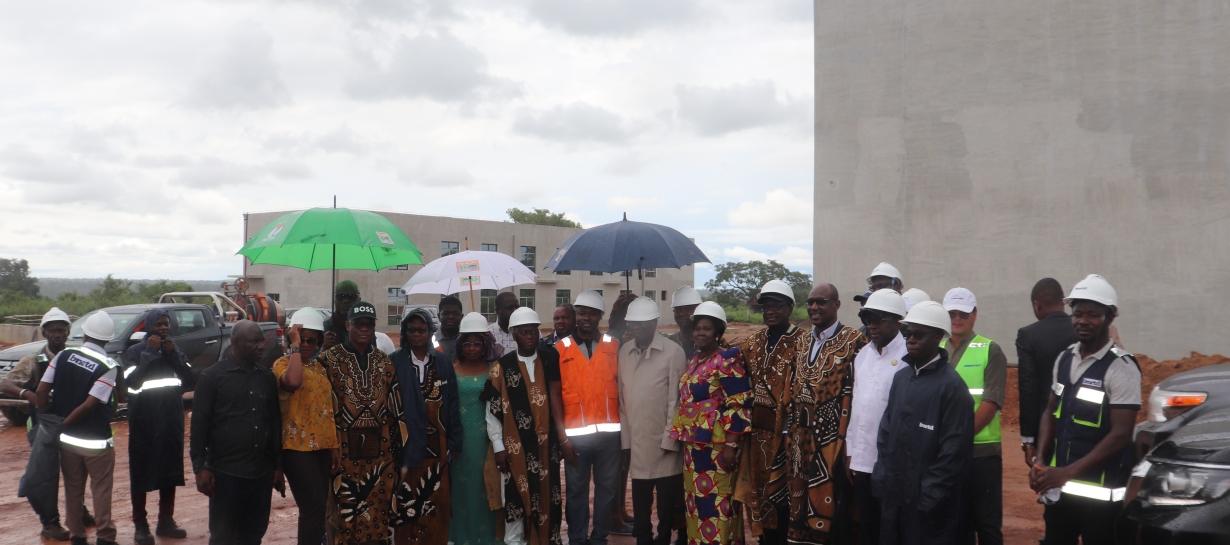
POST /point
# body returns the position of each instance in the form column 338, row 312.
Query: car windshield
column 121, row 324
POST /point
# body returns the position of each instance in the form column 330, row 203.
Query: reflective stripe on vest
column 1094, row 492
column 589, row 386
column 93, row 444
column 972, row 368
column 156, row 383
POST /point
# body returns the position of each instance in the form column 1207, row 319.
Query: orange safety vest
column 590, row 386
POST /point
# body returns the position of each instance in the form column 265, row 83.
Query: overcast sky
column 135, row 134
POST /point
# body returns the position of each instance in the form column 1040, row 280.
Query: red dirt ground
column 1022, row 515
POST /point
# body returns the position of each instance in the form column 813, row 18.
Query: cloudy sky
column 135, row 134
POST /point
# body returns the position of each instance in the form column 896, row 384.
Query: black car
column 1184, row 479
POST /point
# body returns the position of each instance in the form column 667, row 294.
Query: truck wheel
column 16, row 416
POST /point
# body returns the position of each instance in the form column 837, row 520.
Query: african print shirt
column 714, row 399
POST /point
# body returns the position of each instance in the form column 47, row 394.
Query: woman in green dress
column 473, row 523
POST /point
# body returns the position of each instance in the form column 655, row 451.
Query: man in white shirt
column 874, row 367
column 505, row 304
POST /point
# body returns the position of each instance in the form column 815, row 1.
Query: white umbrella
column 470, row 270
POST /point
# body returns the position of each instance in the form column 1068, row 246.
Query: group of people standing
column 459, row 435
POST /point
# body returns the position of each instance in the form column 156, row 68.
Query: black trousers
column 987, row 500
column 307, row 473
column 670, row 498
column 166, row 506
column 239, row 509
column 778, row 536
column 868, row 509
column 1074, row 518
column 906, row 525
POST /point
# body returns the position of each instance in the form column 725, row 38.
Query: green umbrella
column 332, row 238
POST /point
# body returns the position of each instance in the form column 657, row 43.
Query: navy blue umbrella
column 625, row 246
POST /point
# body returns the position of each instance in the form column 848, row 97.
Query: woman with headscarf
column 473, row 471
column 309, row 436
column 432, row 420
column 156, row 373
column 714, row 395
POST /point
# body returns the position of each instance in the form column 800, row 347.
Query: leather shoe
column 88, row 520
column 168, row 528
column 142, row 535
column 52, row 531
column 622, row 530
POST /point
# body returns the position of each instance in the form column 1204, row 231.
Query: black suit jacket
column 1037, row 347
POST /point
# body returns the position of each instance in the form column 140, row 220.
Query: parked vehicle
column 195, row 328
column 1178, row 492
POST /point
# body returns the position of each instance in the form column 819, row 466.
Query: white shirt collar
column 827, row 333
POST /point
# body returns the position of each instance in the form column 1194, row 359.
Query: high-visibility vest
column 590, row 386
column 973, row 368
column 77, row 369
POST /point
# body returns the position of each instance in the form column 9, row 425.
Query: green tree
column 15, row 279
column 737, row 284
column 541, row 216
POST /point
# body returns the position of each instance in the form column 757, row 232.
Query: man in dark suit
column 1037, row 346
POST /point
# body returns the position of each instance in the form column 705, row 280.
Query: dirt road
column 1022, row 514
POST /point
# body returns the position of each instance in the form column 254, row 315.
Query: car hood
column 14, row 353
column 1205, row 439
column 1213, row 378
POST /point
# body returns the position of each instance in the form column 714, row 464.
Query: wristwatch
column 293, row 350
column 1025, row 447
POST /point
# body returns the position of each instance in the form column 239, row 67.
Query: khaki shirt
column 994, row 384
column 648, row 401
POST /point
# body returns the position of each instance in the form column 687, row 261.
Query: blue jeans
column 239, row 510
column 597, row 454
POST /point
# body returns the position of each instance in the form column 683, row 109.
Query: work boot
column 168, row 528
column 52, row 531
column 102, row 541
column 87, row 519
column 80, row 541
column 142, row 535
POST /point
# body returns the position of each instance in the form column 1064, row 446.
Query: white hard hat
column 930, row 314
column 474, row 323
column 309, row 318
column 776, row 287
column 643, row 309
column 887, row 300
column 884, row 269
column 523, row 316
column 915, row 296
column 591, row 299
column 99, row 326
column 685, row 296
column 960, row 299
column 709, row 308
column 54, row 315
column 1093, row 288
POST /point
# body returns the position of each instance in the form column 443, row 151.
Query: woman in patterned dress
column 474, row 522
column 714, row 396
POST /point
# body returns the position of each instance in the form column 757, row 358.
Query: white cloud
column 780, row 207
column 244, row 76
column 433, row 65
column 714, row 111
column 340, row 140
column 790, row 256
column 614, row 17
column 633, row 203
column 428, row 174
column 624, row 164
column 575, row 123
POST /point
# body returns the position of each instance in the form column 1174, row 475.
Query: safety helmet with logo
column 642, row 309
column 99, row 326
column 1097, row 289
column 776, row 289
column 886, row 300
column 308, row 318
column 474, row 323
column 591, row 299
column 930, row 314
column 54, row 315
column 711, row 309
column 685, row 296
column 523, row 316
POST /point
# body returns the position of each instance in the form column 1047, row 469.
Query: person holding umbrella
column 157, row 373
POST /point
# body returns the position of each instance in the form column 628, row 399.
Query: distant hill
column 53, row 287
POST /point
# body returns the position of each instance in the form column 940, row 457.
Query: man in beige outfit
column 649, row 371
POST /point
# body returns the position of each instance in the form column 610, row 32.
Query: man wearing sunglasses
column 874, row 368
column 884, row 276
column 982, row 364
column 770, row 354
column 925, row 443
column 345, row 295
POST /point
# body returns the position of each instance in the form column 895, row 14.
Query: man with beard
column 770, row 355
column 817, row 417
column 523, row 435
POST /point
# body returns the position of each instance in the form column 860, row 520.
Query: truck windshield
column 121, row 324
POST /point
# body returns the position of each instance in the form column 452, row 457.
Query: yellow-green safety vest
column 972, row 368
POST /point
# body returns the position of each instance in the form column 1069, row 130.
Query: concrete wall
column 988, row 144
column 298, row 288
column 20, row 334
